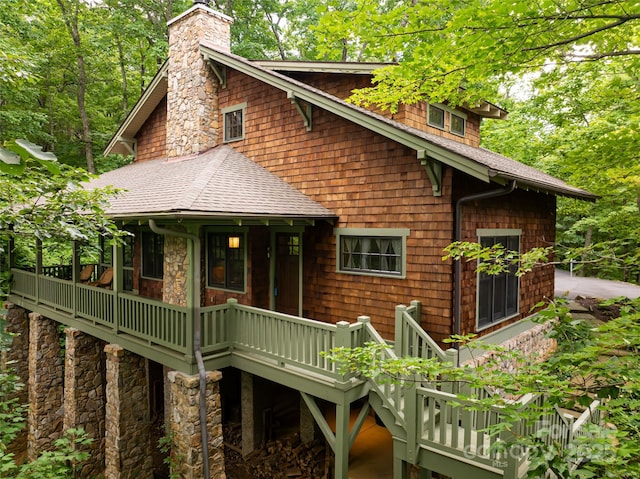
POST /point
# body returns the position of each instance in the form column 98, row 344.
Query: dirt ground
column 602, row 313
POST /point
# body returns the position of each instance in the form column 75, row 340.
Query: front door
column 287, row 274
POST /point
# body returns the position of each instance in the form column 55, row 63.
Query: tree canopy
column 458, row 51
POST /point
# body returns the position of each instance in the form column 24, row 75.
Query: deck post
column 453, row 357
column 38, row 268
column 399, row 337
column 342, row 441
column 84, row 405
column 46, row 378
column 127, row 416
column 75, row 273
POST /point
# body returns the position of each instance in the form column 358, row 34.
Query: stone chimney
column 192, row 91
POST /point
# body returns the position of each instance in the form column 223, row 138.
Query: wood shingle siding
column 370, row 182
column 152, row 138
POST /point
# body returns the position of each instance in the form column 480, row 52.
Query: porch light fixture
column 234, row 242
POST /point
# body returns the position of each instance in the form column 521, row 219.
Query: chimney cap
column 201, row 2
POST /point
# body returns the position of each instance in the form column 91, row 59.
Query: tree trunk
column 71, row 21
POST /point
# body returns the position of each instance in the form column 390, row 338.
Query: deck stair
column 434, row 426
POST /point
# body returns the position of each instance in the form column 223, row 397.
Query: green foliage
column 497, row 259
column 446, row 45
column 590, row 362
column 45, row 199
column 580, row 124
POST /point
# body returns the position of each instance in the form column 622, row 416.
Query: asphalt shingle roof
column 220, row 182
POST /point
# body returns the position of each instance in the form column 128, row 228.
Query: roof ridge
column 193, row 192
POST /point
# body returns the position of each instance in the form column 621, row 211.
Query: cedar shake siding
column 152, row 137
column 342, row 86
column 369, row 182
column 534, row 214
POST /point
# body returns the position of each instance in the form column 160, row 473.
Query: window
column 233, row 119
column 498, row 294
column 152, row 255
column 435, row 117
column 379, row 252
column 225, row 260
column 457, row 124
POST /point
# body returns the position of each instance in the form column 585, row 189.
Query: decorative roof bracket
column 434, row 171
column 131, row 145
column 220, row 71
column 304, row 110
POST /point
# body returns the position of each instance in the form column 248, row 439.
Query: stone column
column 184, row 420
column 16, row 357
column 84, row 398
column 46, row 377
column 127, row 427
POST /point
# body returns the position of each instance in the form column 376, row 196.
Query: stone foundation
column 46, row 377
column 17, row 359
column 184, row 421
column 84, row 395
column 533, row 343
column 127, row 428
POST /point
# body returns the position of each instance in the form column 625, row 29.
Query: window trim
column 493, row 232
column 464, row 124
column 401, row 233
column 142, row 255
column 230, row 109
column 444, row 116
column 448, row 113
column 242, row 233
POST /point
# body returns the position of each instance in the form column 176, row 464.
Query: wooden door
column 287, row 274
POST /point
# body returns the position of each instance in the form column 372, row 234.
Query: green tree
column 445, row 45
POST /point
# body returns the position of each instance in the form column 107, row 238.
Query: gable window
column 152, row 255
column 233, row 122
column 498, row 295
column 458, row 124
column 226, row 260
column 435, row 117
column 375, row 251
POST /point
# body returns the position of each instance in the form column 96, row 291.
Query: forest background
column 70, row 71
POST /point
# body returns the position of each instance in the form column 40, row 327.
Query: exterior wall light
column 234, row 242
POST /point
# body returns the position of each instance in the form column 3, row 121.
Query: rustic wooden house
column 258, row 196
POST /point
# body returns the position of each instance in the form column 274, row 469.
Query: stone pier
column 127, row 429
column 16, row 358
column 184, row 419
column 46, row 379
column 84, row 395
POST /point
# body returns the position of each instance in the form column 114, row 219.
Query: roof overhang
column 122, row 140
column 212, row 219
column 357, row 115
column 484, row 109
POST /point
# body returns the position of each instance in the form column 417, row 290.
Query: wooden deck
column 431, row 427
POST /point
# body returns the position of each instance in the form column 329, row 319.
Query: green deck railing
column 282, row 339
column 428, row 417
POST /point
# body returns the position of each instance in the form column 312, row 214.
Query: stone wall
column 17, row 358
column 46, row 379
column 84, row 395
column 127, row 429
column 184, row 421
column 533, row 343
column 192, row 107
column 176, row 267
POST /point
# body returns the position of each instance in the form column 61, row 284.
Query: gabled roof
column 484, row 109
column 219, row 183
column 145, row 105
column 477, row 162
